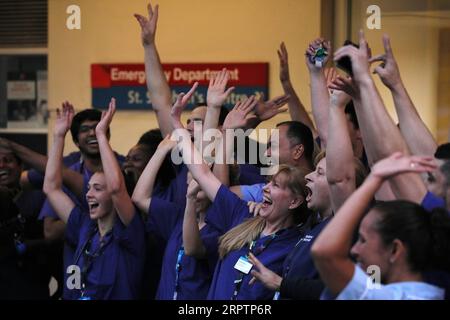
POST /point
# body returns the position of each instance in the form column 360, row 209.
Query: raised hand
column 267, row 110
column 398, row 163
column 267, row 277
column 284, row 64
column 180, row 105
column 241, row 114
column 388, row 69
column 358, row 56
column 216, row 91
column 310, row 53
column 107, row 116
column 345, row 84
column 167, row 144
column 63, row 119
column 148, row 26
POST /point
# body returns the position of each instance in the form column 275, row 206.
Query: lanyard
column 89, row 257
column 177, row 272
column 238, row 282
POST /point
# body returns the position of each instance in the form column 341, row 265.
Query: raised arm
column 59, row 200
column 115, row 182
column 332, row 257
column 157, row 85
column 339, row 159
column 380, row 134
column 237, row 118
column 319, row 91
column 216, row 97
column 191, row 157
column 142, row 195
column 347, row 85
column 417, row 135
column 296, row 108
column 192, row 243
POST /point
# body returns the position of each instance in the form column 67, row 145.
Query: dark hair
column 299, row 133
column 426, row 235
column 150, row 140
column 350, row 111
column 443, row 151
column 223, row 114
column 80, row 117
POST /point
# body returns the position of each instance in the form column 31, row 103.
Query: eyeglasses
column 85, row 128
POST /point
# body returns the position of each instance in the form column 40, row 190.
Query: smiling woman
column 270, row 236
column 109, row 241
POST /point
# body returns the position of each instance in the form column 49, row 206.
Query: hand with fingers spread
column 217, row 95
column 346, row 84
column 397, row 163
column 254, row 207
column 148, row 25
column 388, row 69
column 180, row 105
column 107, row 116
column 311, row 51
column 267, row 277
column 358, row 56
column 269, row 109
column 284, row 64
column 241, row 114
column 63, row 119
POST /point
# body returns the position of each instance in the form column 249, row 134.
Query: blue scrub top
column 299, row 262
column 166, row 221
column 177, row 189
column 116, row 273
column 431, row 201
column 229, row 212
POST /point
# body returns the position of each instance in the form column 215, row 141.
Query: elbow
column 320, row 252
column 48, row 188
column 116, row 187
column 141, row 202
column 197, row 253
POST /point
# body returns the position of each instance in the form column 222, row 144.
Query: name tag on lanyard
column 243, row 265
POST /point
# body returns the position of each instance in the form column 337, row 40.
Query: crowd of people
column 355, row 206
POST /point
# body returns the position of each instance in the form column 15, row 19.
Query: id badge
column 243, row 265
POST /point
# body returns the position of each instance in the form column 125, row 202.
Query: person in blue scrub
column 109, row 240
column 397, row 241
column 270, row 236
column 331, row 183
column 183, row 277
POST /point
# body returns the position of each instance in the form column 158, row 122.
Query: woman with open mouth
column 109, row 241
column 270, row 236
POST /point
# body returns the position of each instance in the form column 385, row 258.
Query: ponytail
column 241, row 235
